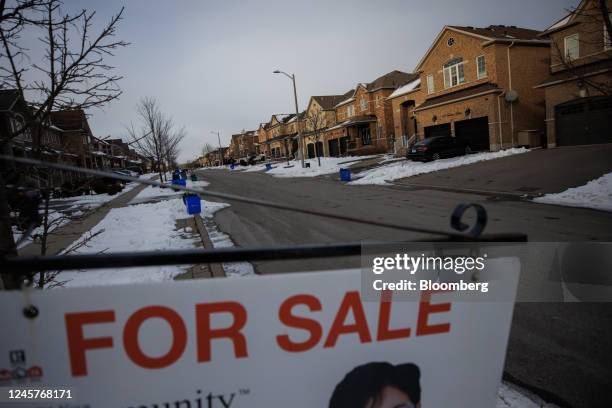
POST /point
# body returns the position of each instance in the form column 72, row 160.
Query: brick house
column 101, row 152
column 45, row 142
column 281, row 133
column 365, row 118
column 321, row 115
column 76, row 133
column 244, row 144
column 262, row 138
column 478, row 85
column 578, row 101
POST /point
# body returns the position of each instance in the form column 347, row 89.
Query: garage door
column 438, row 130
column 584, row 121
column 474, row 132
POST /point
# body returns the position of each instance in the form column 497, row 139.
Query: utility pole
column 220, row 151
column 297, row 116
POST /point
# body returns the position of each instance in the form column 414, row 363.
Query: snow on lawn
column 595, row 194
column 89, row 202
column 143, row 227
column 329, row 165
column 74, row 207
column 221, row 240
column 158, row 192
column 408, row 168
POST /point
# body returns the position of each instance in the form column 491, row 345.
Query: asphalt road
column 562, row 349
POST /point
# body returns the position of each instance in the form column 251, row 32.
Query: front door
column 334, row 147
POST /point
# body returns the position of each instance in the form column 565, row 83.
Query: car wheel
column 435, row 156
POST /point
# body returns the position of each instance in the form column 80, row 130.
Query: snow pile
column 144, row 227
column 595, row 194
column 409, row 168
column 158, row 192
column 329, row 165
column 510, row 396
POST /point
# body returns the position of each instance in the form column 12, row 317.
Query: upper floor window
column 350, row 111
column 430, row 84
column 572, row 46
column 377, row 101
column 453, row 73
column 363, row 104
column 481, row 67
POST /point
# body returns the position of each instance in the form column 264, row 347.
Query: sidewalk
column 65, row 235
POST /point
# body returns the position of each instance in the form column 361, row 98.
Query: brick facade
column 479, row 101
column 589, row 74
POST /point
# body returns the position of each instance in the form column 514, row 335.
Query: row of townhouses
column 67, row 139
column 494, row 87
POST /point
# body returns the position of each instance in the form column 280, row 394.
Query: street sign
column 273, row 341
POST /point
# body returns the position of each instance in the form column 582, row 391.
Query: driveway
column 536, row 172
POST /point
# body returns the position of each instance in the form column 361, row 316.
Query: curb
column 216, row 270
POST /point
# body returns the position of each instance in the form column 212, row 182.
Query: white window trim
column 606, row 37
column 565, row 49
column 350, row 111
column 430, row 84
column 450, row 70
column 478, row 74
column 363, row 104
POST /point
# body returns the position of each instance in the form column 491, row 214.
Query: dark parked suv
column 437, row 147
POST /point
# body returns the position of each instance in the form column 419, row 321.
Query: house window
column 453, row 73
column 430, row 84
column 377, row 101
column 572, row 46
column 350, row 111
column 363, row 104
column 481, row 67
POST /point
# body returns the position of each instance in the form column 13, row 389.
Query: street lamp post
column 220, row 153
column 297, row 116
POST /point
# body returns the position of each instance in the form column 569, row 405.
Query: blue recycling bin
column 345, row 175
column 180, row 182
column 268, row 166
column 232, row 166
column 193, row 203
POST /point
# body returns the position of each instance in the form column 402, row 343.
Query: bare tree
column 595, row 18
column 208, row 148
column 68, row 70
column 315, row 122
column 157, row 136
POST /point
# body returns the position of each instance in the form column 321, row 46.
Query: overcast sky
column 209, row 63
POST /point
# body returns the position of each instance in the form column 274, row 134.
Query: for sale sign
column 300, row 340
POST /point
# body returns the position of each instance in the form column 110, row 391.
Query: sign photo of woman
column 379, row 385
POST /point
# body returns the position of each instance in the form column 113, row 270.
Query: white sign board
column 273, row 341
